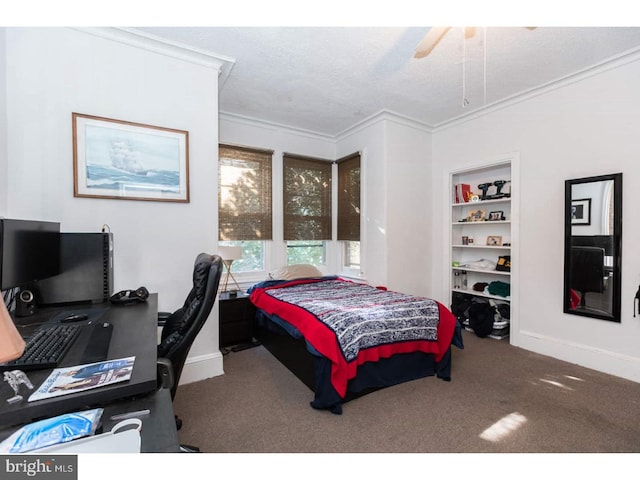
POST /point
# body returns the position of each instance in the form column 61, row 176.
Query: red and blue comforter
column 352, row 323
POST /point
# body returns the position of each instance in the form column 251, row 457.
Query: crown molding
column 382, row 115
column 379, row 116
column 256, row 122
column 135, row 38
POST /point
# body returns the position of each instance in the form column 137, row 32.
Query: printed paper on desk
column 114, row 441
column 64, row 381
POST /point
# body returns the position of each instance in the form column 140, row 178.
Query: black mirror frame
column 617, row 246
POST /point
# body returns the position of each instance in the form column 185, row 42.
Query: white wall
column 577, row 130
column 3, row 124
column 56, row 71
column 396, row 199
column 370, row 141
column 409, row 206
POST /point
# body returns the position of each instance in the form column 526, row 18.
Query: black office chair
column 587, row 271
column 180, row 328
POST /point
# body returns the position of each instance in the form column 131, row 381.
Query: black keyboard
column 45, row 348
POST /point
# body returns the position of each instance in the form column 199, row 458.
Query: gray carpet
column 500, row 399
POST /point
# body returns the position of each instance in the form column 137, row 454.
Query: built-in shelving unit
column 480, row 233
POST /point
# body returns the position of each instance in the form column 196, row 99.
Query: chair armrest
column 163, row 317
column 165, row 373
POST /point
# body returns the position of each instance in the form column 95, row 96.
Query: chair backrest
column 182, row 327
column 587, row 269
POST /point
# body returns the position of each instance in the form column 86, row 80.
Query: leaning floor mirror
column 592, row 246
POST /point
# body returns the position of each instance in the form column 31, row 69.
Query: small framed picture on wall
column 581, row 211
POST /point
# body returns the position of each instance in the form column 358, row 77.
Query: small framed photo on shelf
column 496, row 216
column 494, row 240
column 476, row 216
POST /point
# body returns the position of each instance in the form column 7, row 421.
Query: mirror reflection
column 593, row 226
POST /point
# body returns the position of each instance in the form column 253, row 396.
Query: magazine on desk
column 64, row 381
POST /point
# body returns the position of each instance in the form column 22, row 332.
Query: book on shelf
column 462, row 192
column 66, row 380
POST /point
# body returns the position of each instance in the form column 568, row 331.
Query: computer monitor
column 29, row 251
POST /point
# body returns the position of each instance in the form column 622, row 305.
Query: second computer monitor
column 86, row 271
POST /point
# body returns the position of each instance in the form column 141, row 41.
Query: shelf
column 481, row 294
column 475, row 245
column 491, row 222
column 484, row 234
column 482, row 202
column 481, row 270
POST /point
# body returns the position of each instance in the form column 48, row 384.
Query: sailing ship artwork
column 131, row 161
column 125, row 158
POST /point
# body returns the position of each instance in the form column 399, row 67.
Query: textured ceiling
column 327, row 79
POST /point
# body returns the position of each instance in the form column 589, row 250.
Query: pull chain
column 484, row 66
column 465, row 102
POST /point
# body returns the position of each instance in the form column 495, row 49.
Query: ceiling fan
column 435, row 34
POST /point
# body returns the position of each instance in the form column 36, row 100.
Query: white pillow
column 291, row 272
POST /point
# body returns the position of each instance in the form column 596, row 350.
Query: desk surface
column 134, row 333
column 159, row 432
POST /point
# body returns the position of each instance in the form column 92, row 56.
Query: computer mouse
column 74, row 317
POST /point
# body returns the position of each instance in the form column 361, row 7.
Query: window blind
column 306, row 198
column 349, row 198
column 244, row 193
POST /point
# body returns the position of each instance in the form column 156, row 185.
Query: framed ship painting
column 129, row 161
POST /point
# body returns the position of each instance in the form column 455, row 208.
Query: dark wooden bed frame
column 293, row 354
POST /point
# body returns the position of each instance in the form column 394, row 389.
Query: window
column 307, row 208
column 351, row 255
column 310, row 252
column 349, row 209
column 244, row 203
column 252, row 260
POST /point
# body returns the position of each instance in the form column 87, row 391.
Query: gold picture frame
column 476, row 216
column 494, row 240
column 123, row 160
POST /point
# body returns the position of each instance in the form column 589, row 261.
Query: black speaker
column 25, row 303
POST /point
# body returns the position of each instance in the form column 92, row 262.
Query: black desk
column 159, row 432
column 134, row 333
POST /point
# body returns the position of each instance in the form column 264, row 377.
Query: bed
column 344, row 339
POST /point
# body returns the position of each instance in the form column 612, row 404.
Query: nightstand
column 236, row 319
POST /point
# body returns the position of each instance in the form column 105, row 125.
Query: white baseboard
column 201, row 367
column 605, row 361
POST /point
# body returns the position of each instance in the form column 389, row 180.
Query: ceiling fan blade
column 431, row 39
